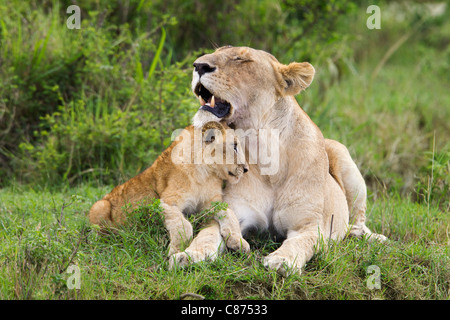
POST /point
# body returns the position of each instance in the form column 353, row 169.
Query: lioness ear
column 297, row 77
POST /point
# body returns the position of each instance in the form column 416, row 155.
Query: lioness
column 185, row 186
column 317, row 190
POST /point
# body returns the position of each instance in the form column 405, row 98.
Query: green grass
column 40, row 239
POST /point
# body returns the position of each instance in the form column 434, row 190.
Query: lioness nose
column 203, row 68
column 245, row 169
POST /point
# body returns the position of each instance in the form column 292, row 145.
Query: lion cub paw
column 190, row 256
column 238, row 244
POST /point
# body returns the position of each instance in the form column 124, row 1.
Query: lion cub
column 187, row 177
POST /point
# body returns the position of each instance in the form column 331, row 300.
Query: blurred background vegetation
column 98, row 104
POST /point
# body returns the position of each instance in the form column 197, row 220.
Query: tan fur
column 182, row 187
column 308, row 198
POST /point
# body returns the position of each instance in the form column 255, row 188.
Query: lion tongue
column 216, row 106
column 220, row 110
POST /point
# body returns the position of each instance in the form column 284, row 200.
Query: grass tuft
column 37, row 246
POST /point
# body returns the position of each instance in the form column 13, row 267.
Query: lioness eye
column 237, row 58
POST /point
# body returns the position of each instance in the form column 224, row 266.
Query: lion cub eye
column 237, row 58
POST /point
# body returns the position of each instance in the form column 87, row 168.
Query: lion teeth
column 202, row 101
column 213, row 102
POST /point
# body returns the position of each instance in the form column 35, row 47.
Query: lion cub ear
column 209, row 131
column 297, row 77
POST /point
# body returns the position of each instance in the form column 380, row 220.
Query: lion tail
column 100, row 213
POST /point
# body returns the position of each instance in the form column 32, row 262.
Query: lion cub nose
column 245, row 169
column 203, row 68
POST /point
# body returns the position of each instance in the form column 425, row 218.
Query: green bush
column 99, row 103
column 433, row 187
column 103, row 100
column 109, row 104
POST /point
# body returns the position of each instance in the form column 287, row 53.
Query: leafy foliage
column 88, row 103
column 42, row 233
column 434, row 186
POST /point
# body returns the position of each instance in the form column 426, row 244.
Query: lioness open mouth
column 217, row 106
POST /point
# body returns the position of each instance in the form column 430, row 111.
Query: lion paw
column 180, row 259
column 238, row 244
column 359, row 231
column 377, row 237
column 190, row 256
column 283, row 265
column 173, row 250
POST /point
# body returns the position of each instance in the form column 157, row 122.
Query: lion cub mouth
column 231, row 174
column 237, row 174
column 217, row 106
